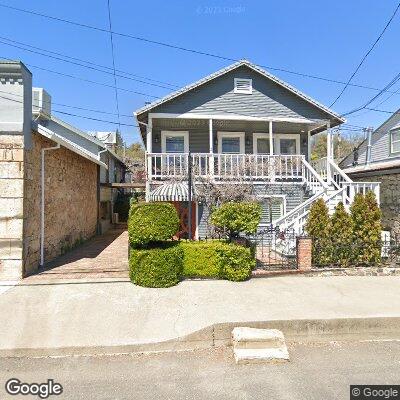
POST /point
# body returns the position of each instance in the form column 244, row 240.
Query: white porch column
column 309, row 146
column 149, row 149
column 211, row 146
column 271, row 140
column 328, row 151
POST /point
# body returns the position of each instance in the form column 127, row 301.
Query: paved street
column 316, row 371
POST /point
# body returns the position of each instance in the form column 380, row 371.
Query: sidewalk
column 105, row 314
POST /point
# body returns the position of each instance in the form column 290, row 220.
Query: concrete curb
column 217, row 335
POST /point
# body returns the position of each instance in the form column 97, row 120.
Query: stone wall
column 11, row 205
column 389, row 197
column 70, row 201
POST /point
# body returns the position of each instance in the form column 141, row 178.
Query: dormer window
column 243, row 85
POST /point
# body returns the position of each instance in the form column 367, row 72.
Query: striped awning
column 171, row 192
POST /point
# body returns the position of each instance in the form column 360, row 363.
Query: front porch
column 230, row 147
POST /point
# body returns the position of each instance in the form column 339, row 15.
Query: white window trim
column 395, row 141
column 236, row 90
column 280, row 136
column 282, row 196
column 262, row 135
column 164, row 135
column 239, row 135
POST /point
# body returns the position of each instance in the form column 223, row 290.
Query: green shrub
column 157, row 267
column 341, row 234
column 201, row 259
column 366, row 217
column 152, row 222
column 318, row 227
column 235, row 262
column 237, row 217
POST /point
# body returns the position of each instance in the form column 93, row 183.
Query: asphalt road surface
column 316, row 371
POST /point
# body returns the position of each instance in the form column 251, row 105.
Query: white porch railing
column 234, row 166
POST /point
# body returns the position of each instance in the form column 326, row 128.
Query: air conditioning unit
column 41, row 103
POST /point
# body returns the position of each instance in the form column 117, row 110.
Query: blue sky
column 315, row 37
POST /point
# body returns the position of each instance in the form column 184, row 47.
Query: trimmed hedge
column 152, row 222
column 235, row 262
column 157, row 267
column 216, row 259
column 201, row 259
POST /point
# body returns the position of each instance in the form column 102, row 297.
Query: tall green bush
column 366, row 217
column 152, row 222
column 235, row 218
column 341, row 234
column 318, row 227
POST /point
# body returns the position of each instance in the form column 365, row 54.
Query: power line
column 389, row 85
column 366, row 55
column 75, row 115
column 71, row 106
column 194, row 51
column 383, row 111
column 113, row 62
column 84, row 79
column 66, row 59
column 86, row 61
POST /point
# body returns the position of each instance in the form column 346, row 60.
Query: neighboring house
column 112, row 139
column 55, row 180
column 377, row 158
column 241, row 124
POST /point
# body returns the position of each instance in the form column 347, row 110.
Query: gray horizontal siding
column 294, row 195
column 380, row 144
column 199, row 139
column 267, row 100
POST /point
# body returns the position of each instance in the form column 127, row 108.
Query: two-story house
column 242, row 123
column 378, row 158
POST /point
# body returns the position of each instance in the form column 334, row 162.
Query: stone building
column 377, row 158
column 55, row 180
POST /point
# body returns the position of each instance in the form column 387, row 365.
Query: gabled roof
column 228, row 69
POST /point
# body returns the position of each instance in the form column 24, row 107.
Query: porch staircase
column 324, row 179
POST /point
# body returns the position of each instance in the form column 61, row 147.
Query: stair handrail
column 327, row 200
column 314, row 173
column 299, row 207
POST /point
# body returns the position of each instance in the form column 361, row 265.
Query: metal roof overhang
column 170, row 192
column 68, row 144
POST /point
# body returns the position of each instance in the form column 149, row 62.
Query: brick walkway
column 103, row 257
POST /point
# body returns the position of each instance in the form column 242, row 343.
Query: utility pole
column 190, row 196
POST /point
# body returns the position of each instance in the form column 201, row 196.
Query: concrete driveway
column 117, row 316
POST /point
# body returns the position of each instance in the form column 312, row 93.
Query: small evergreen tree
column 366, row 217
column 317, row 227
column 341, row 234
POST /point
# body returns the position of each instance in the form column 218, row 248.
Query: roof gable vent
column 243, row 85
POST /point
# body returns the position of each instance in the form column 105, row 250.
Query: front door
column 183, row 213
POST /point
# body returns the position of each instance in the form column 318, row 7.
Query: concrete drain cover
column 252, row 345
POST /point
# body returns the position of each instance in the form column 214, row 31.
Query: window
column 272, row 207
column 174, row 142
column 231, row 142
column 243, row 86
column 261, row 143
column 288, row 144
column 395, row 141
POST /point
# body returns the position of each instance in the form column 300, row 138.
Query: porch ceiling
column 233, row 125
